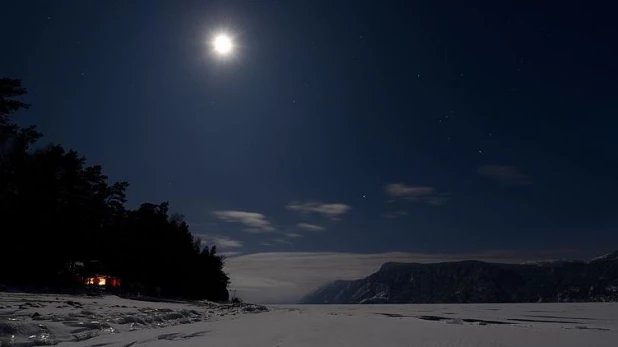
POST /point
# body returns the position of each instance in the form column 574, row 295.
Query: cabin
column 102, row 282
column 92, row 275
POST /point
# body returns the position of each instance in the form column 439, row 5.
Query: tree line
column 57, row 212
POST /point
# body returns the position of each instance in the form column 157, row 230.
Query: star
column 223, row 44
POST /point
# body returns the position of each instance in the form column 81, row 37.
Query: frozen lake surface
column 28, row 319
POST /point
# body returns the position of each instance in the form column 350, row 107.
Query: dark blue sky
column 467, row 128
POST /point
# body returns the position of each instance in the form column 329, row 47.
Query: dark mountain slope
column 477, row 282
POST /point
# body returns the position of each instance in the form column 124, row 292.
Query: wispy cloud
column 505, row 174
column 310, row 227
column 283, row 241
column 230, row 254
column 284, row 277
column 222, row 242
column 422, row 194
column 402, row 190
column 255, row 222
column 332, row 211
column 293, row 235
column 395, row 214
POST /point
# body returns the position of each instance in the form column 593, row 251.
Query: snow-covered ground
column 112, row 321
column 49, row 319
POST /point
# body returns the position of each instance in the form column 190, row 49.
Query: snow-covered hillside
column 111, row 321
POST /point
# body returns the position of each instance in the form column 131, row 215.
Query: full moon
column 222, row 44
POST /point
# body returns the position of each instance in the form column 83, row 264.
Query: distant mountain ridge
column 607, row 257
column 478, row 282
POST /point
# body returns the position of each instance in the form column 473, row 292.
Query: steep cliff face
column 476, row 282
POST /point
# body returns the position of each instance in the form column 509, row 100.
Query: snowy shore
column 30, row 319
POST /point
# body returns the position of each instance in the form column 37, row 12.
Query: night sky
column 347, row 127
